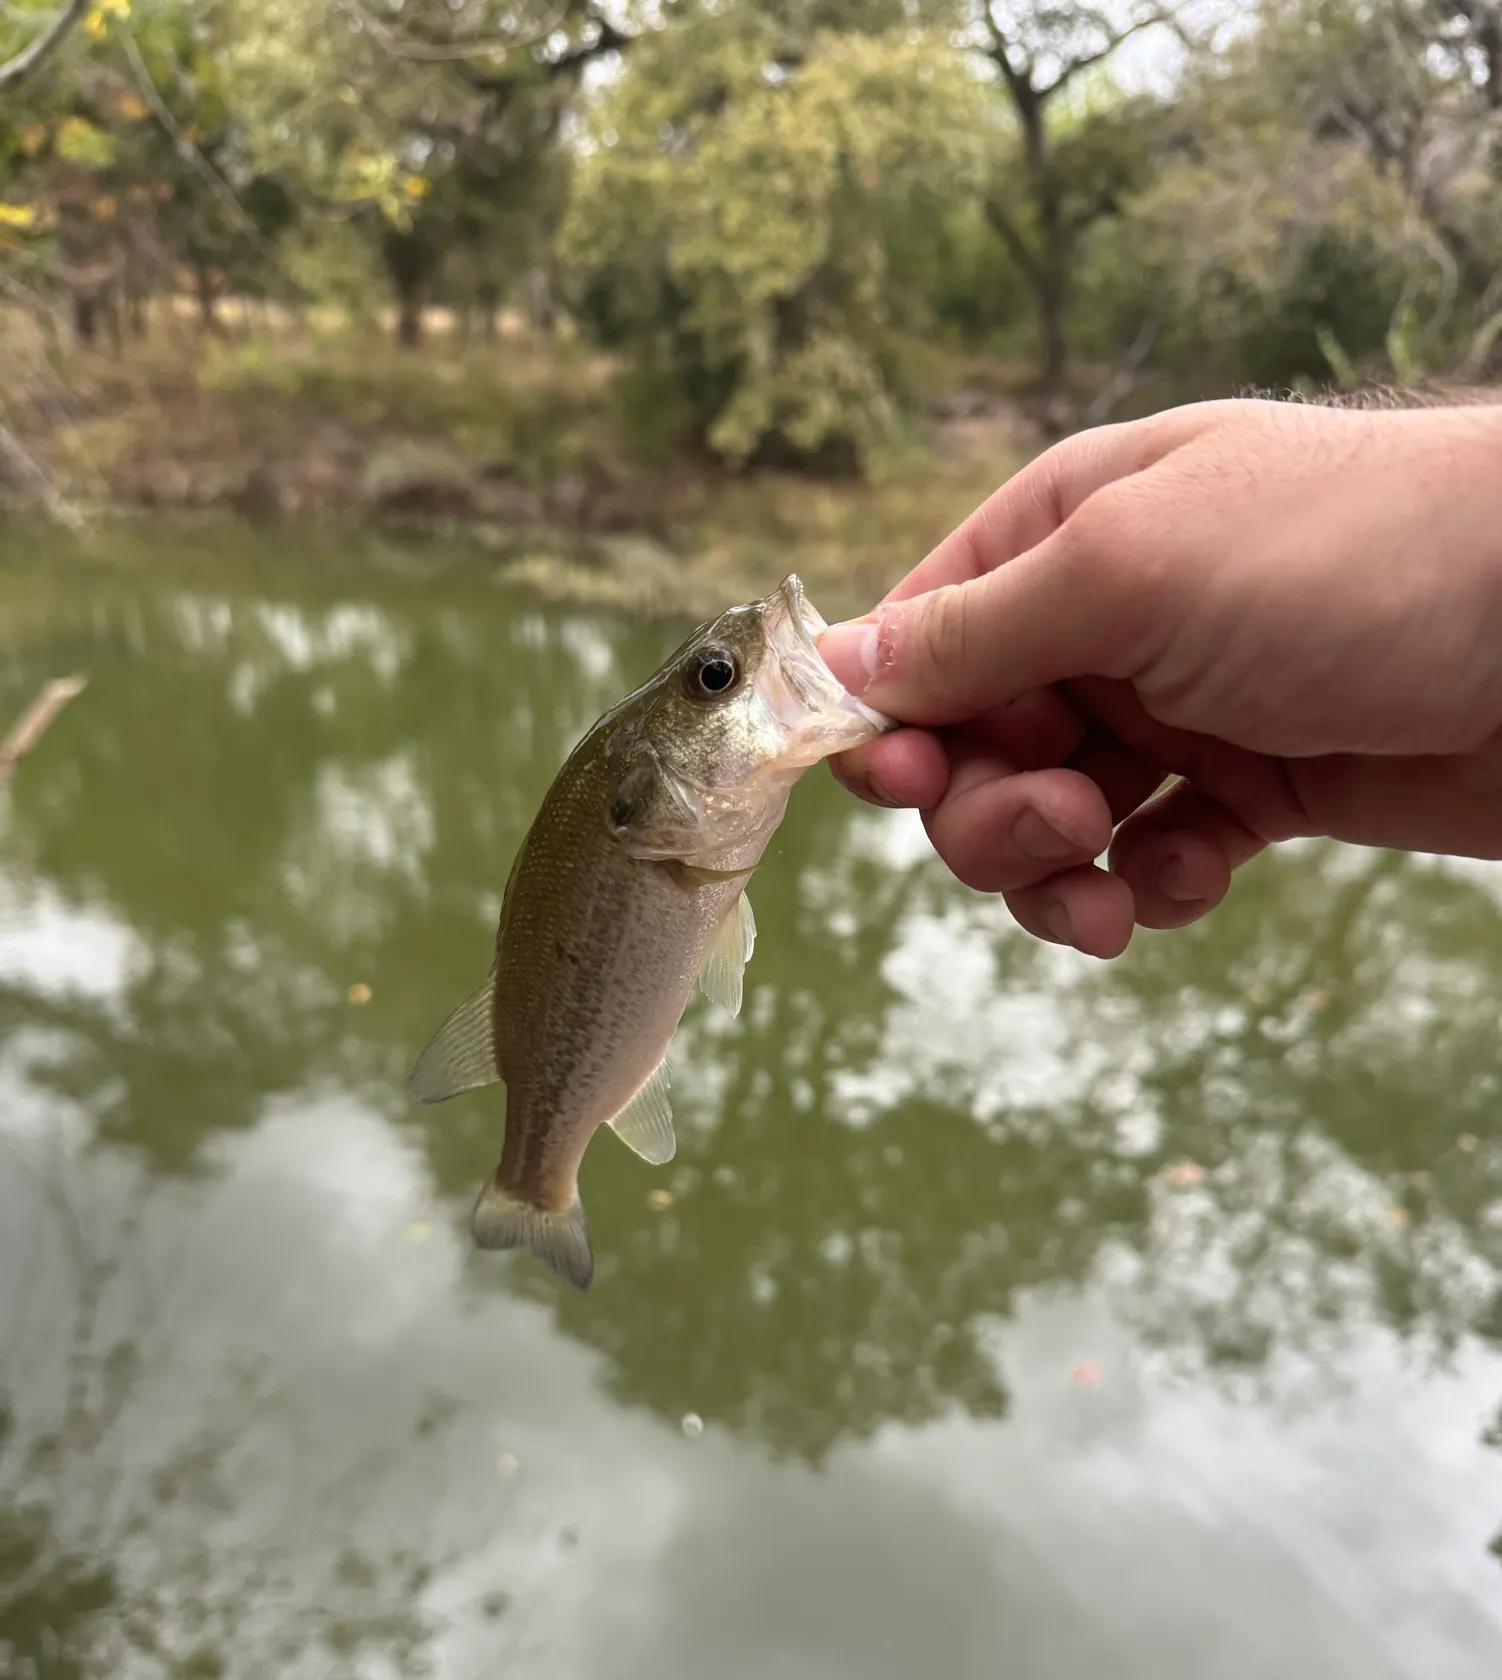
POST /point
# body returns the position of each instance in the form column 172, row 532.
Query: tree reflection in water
column 1262, row 1140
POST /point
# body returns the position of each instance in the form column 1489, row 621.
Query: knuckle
column 939, row 634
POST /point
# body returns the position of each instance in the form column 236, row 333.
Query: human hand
column 1295, row 609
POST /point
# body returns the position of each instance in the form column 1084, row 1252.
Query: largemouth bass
column 627, row 892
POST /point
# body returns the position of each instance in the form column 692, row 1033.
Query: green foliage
column 757, row 226
column 785, row 222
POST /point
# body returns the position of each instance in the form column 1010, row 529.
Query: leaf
column 79, row 141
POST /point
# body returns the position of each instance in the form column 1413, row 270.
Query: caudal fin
column 559, row 1239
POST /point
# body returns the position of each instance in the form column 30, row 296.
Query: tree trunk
column 408, row 320
column 1051, row 303
column 85, row 318
column 409, row 265
column 540, row 306
column 114, row 322
column 208, row 316
column 1490, row 37
column 488, row 301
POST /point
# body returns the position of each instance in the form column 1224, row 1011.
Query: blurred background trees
column 783, row 228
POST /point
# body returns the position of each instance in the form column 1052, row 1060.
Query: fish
column 627, row 893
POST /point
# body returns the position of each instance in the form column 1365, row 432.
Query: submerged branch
column 36, row 720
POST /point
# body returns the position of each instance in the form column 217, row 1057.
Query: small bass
column 627, row 892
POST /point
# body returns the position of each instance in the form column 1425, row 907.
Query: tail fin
column 560, row 1239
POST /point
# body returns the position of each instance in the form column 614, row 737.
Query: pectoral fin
column 460, row 1056
column 645, row 1124
column 729, row 952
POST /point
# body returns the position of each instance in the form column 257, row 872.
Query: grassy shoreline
column 515, row 453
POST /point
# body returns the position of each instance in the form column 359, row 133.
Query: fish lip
column 801, row 611
column 802, row 664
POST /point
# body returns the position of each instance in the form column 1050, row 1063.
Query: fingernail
column 878, row 794
column 1039, row 841
column 1056, row 920
column 1172, row 880
column 849, row 650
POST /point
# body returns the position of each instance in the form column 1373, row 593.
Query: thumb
column 1036, row 587
column 1060, row 611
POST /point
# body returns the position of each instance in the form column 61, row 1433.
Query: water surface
column 1045, row 1319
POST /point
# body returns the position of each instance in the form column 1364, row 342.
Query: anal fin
column 645, row 1124
column 720, row 978
column 560, row 1240
column 460, row 1056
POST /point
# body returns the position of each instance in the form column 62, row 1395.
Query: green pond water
column 1046, row 1320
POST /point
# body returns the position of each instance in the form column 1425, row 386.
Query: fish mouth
column 813, row 702
column 802, row 613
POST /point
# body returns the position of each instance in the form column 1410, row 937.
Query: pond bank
column 523, row 458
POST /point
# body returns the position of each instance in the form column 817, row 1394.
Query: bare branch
column 190, row 154
column 30, row 59
column 498, row 50
column 35, row 720
column 607, row 39
column 1115, row 39
column 442, row 52
column 1124, row 377
column 1018, row 77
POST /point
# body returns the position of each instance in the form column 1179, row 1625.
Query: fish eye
column 712, row 672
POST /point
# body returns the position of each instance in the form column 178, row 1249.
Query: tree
column 1075, row 168
column 1336, row 208
column 753, row 222
column 1415, row 84
column 439, row 123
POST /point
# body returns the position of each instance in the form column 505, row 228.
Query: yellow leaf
column 17, row 215
column 97, row 22
column 131, row 108
column 416, row 187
